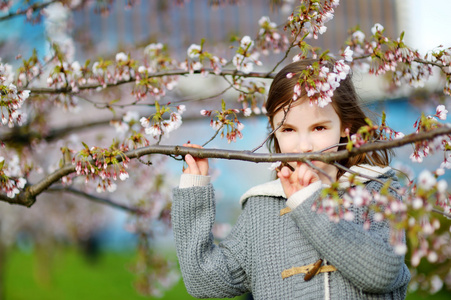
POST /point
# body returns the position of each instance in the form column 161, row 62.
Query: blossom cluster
column 103, row 164
column 156, row 59
column 387, row 55
column 250, row 92
column 441, row 143
column 11, row 176
column 429, row 193
column 309, row 18
column 156, row 126
column 269, row 38
column 226, row 121
column 198, row 57
column 11, row 99
column 320, row 82
column 123, row 69
column 246, row 57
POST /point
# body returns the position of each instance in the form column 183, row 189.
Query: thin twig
column 442, row 213
column 150, row 75
column 205, row 98
column 96, row 199
column 340, row 166
column 35, row 7
column 213, row 137
column 333, row 146
column 288, row 51
column 148, row 163
column 275, row 129
column 311, row 165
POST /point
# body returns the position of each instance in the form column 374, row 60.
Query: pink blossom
column 347, row 54
column 247, row 112
column 416, row 157
column 441, row 112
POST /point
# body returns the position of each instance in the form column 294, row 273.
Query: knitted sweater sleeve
column 364, row 257
column 208, row 270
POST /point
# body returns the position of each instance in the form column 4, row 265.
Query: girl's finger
column 192, row 165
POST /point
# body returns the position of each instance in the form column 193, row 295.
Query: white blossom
column 377, row 27
column 121, row 57
column 436, row 284
column 193, row 51
column 441, row 112
column 417, row 203
column 347, row 54
column 130, row 116
column 275, row 165
column 426, row 180
column 263, row 20
column 399, row 135
column 359, row 36
column 144, row 122
column 154, row 130
column 442, row 185
column 246, row 42
column 123, row 175
column 152, row 49
column 400, row 249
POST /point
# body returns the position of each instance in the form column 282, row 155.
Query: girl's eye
column 319, row 128
column 287, row 129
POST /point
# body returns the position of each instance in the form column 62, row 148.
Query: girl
column 280, row 248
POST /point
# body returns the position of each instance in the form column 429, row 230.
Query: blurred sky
column 426, row 23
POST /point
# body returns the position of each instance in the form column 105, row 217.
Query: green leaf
column 86, row 146
column 349, row 146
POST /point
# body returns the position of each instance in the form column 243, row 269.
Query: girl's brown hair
column 344, row 101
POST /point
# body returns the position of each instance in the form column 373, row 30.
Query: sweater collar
column 274, row 188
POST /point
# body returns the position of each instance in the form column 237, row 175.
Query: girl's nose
column 305, row 145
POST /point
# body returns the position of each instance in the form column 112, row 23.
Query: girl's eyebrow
column 321, row 122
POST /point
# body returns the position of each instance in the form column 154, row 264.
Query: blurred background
column 65, row 247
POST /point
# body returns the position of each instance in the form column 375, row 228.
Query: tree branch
column 96, row 199
column 28, row 196
column 35, row 7
column 69, row 89
column 17, row 136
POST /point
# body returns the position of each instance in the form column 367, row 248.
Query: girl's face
column 309, row 128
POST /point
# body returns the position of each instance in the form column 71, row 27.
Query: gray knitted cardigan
column 263, row 243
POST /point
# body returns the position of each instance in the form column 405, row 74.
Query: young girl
column 279, row 248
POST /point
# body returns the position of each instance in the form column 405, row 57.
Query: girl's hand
column 196, row 166
column 293, row 181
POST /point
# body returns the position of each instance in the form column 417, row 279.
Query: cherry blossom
column 377, row 28
column 193, row 51
column 441, row 112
